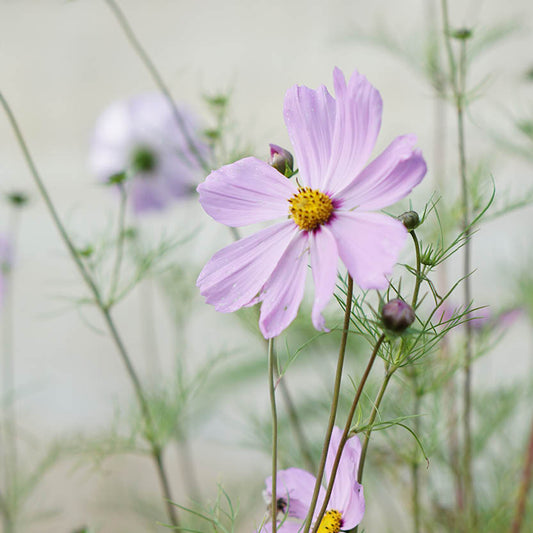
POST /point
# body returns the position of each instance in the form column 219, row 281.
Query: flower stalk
column 150, row 434
column 158, row 79
column 274, row 418
column 334, row 405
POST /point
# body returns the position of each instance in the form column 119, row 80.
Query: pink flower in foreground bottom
column 346, row 506
column 327, row 210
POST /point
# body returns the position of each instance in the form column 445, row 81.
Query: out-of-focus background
column 63, row 62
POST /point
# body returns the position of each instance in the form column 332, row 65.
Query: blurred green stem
column 458, row 81
column 525, row 486
column 274, row 416
column 334, row 405
column 158, row 79
column 150, row 433
column 10, row 447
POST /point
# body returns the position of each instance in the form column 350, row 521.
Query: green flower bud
column 410, row 220
column 397, row 315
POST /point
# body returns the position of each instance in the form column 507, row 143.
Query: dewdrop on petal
column 397, row 315
column 281, row 160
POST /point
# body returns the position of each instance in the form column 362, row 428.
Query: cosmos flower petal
column 283, row 292
column 246, row 192
column 388, row 178
column 347, row 495
column 324, row 256
column 236, row 274
column 310, row 117
column 296, row 487
column 357, row 124
column 369, row 245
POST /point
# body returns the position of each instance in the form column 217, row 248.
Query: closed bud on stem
column 410, row 220
column 462, row 34
column 397, row 315
column 17, row 198
column 281, row 160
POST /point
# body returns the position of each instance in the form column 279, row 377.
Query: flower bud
column 397, row 315
column 281, row 160
column 17, row 198
column 462, row 34
column 410, row 220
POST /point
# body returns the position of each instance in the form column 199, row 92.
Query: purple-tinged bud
column 397, row 315
column 410, row 220
column 281, row 160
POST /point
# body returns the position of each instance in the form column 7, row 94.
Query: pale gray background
column 62, row 63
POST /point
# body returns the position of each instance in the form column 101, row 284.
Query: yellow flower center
column 331, row 522
column 310, row 208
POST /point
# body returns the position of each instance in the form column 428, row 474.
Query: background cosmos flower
column 295, row 489
column 329, row 207
column 141, row 136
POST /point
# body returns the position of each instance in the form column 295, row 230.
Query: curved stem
column 105, row 311
column 274, row 416
column 158, row 79
column 418, row 280
column 334, row 405
column 347, row 427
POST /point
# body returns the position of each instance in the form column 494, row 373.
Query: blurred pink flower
column 346, row 506
column 328, row 210
column 141, row 136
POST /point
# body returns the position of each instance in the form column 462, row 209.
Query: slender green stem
column 458, row 79
column 418, row 280
column 105, row 311
column 415, row 466
column 158, row 79
column 373, row 414
column 115, row 275
column 10, row 451
column 347, row 428
column 274, row 416
column 334, row 405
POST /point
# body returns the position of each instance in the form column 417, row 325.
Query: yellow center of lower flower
column 331, row 522
column 310, row 208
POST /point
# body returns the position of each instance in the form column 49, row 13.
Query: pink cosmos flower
column 346, row 506
column 327, row 209
column 141, row 136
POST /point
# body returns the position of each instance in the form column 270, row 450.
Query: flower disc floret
column 331, row 522
column 310, row 208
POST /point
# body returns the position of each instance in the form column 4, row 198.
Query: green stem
column 334, row 406
column 347, row 428
column 525, row 486
column 373, row 414
column 104, row 309
column 458, row 78
column 415, row 466
column 158, row 79
column 274, row 416
column 10, row 452
column 418, row 280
